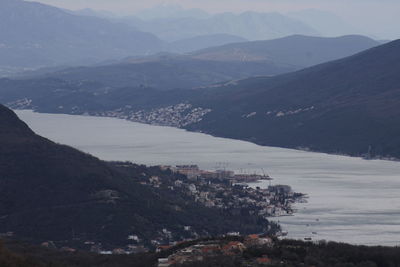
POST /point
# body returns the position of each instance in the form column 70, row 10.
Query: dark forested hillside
column 346, row 106
column 18, row 254
column 54, row 192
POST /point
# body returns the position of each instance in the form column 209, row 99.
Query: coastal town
column 179, row 115
column 224, row 190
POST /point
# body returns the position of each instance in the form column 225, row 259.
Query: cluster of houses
column 220, row 189
column 23, row 103
column 194, row 172
column 178, row 115
column 203, row 250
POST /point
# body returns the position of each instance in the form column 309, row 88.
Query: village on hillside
column 221, row 189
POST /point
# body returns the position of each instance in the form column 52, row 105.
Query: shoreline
column 301, row 149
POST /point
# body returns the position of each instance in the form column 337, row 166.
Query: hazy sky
column 378, row 16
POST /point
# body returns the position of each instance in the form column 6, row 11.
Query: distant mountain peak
column 170, row 11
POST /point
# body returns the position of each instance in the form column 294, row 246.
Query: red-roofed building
column 162, row 248
column 233, row 247
column 263, row 261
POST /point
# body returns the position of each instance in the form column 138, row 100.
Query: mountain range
column 35, row 35
column 326, row 23
column 249, row 25
column 167, row 71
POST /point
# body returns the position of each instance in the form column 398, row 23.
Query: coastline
column 248, row 140
column 341, row 189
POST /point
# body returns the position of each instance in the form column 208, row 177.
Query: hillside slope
column 296, row 50
column 346, row 106
column 203, row 41
column 167, row 72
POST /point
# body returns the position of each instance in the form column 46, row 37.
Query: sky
column 380, row 17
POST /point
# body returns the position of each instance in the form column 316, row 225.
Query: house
column 265, row 241
column 67, row 249
column 162, row 248
column 233, row 234
column 263, row 260
column 163, row 262
column 192, row 188
column 209, row 204
column 191, row 171
column 178, row 183
column 251, row 240
column 154, row 179
column 165, row 167
column 204, row 195
column 118, row 251
column 256, row 240
column 233, row 248
column 133, row 237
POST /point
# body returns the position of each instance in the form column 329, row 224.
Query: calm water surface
column 350, row 199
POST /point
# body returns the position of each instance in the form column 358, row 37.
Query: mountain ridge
column 249, row 25
column 35, row 34
column 297, row 50
column 224, row 63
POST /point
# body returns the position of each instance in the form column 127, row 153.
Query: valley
column 171, row 133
